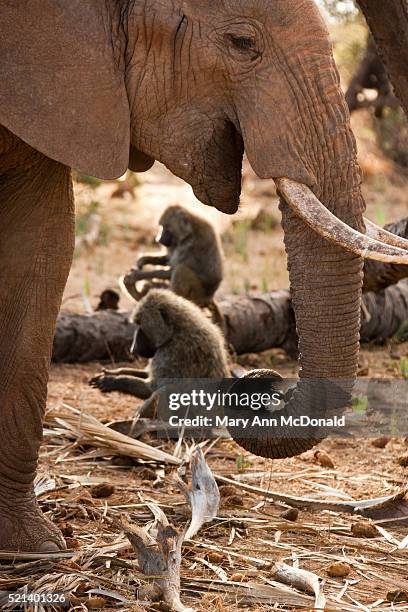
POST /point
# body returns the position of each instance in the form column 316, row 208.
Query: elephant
column 100, row 86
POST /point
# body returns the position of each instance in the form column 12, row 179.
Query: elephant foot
column 23, row 528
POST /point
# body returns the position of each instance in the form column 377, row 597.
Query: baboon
column 192, row 266
column 177, row 338
column 108, row 300
column 371, row 74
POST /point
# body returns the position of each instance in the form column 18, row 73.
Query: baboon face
column 154, row 327
column 142, row 346
column 176, row 225
column 109, row 300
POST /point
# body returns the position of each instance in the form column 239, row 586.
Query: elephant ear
column 62, row 83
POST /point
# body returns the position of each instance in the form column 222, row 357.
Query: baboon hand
column 141, row 262
column 103, row 382
column 131, row 277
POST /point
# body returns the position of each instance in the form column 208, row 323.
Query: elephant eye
column 244, row 43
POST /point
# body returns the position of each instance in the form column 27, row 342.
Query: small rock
column 214, row 557
column 292, row 514
column 105, row 489
column 397, row 596
column 380, row 442
column 324, row 459
column 403, row 461
column 364, row 529
column 340, row 569
column 238, row 577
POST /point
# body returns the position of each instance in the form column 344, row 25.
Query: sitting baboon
column 192, row 266
column 180, row 342
column 108, row 300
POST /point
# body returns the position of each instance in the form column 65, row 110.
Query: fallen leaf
column 403, row 461
column 66, row 529
column 105, row 489
column 340, row 569
column 380, row 442
column 397, row 596
column 95, row 603
column 215, row 557
column 324, row 459
column 364, row 529
column 292, row 514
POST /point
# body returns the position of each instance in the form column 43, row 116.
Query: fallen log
column 254, row 323
column 378, row 275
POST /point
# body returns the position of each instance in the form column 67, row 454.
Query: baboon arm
column 154, row 260
column 161, row 274
column 138, row 275
column 128, row 372
column 133, row 386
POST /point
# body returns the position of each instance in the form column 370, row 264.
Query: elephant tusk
column 306, row 205
column 382, row 235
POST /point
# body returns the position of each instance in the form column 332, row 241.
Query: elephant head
column 194, row 83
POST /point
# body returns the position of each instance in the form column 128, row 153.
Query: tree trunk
column 255, row 323
column 388, row 22
column 379, row 275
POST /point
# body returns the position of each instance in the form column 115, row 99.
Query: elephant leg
column 36, row 246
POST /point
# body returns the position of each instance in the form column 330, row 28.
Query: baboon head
column 108, row 300
column 177, row 226
column 154, row 324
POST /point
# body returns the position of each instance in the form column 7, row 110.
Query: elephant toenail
column 51, row 547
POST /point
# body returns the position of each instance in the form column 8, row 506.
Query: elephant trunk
column 326, row 283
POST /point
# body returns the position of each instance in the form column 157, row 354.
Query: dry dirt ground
column 228, row 555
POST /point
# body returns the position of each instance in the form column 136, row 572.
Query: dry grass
column 231, row 564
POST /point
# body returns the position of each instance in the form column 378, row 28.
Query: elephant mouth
column 217, row 176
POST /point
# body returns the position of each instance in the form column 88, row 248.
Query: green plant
column 82, row 219
column 91, row 181
column 242, row 464
column 379, row 214
column 359, row 404
column 402, row 332
column 403, row 366
column 240, row 239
